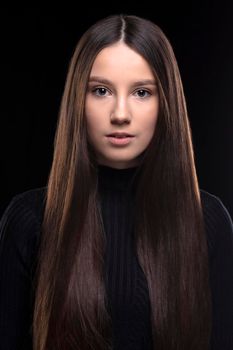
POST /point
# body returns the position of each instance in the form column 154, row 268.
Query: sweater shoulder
column 33, row 200
column 217, row 219
column 20, row 224
column 30, row 203
column 25, row 206
column 214, row 209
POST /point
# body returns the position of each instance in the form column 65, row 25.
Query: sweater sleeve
column 220, row 240
column 19, row 230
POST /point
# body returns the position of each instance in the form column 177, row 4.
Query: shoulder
column 218, row 222
column 26, row 205
column 21, row 222
column 214, row 207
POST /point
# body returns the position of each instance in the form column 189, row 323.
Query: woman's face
column 121, row 97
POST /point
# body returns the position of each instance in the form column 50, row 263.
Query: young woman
column 121, row 249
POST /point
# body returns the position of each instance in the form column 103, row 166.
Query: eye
column 100, row 91
column 141, row 93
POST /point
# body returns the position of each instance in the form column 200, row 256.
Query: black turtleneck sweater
column 126, row 284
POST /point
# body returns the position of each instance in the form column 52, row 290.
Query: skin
column 123, row 103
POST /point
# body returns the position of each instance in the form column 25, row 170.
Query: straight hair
column 70, row 304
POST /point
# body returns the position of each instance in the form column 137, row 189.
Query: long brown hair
column 70, row 307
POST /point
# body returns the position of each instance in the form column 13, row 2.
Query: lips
column 120, row 135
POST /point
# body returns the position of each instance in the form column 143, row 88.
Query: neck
column 119, row 179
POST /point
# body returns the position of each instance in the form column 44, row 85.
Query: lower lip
column 119, row 141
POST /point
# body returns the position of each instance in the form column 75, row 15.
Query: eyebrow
column 101, row 80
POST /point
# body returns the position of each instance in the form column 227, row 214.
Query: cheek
column 149, row 110
column 94, row 114
column 149, row 124
column 150, row 119
column 91, row 116
column 149, row 130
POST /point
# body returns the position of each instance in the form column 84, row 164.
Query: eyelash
column 94, row 90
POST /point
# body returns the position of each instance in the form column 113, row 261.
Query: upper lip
column 120, row 134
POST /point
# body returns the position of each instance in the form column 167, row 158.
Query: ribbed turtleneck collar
column 113, row 178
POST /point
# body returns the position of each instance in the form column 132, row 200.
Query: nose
column 120, row 113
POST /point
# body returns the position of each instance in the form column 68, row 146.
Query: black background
column 36, row 46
